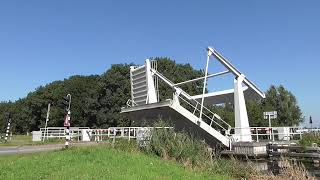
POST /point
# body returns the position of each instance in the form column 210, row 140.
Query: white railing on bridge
column 276, row 133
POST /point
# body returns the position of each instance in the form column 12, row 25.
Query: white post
column 242, row 128
column 8, row 130
column 129, row 133
column 269, row 117
column 45, row 127
column 204, row 83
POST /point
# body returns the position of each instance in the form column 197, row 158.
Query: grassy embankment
column 99, row 162
column 186, row 158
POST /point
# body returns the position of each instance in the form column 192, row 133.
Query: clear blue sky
column 271, row 42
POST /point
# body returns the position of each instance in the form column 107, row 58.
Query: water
column 275, row 166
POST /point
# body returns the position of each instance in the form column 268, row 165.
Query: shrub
column 309, row 138
column 289, row 171
column 184, row 148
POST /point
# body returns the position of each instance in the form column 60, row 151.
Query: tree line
column 97, row 100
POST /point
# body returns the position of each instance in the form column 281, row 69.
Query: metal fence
column 98, row 135
column 59, row 133
column 257, row 133
column 275, row 133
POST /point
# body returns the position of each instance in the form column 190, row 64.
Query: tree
column 178, row 73
column 277, row 99
column 285, row 103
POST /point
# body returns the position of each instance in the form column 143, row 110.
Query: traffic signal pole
column 67, row 120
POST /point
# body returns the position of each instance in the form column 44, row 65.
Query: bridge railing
column 211, row 118
column 274, row 133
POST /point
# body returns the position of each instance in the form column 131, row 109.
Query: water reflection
column 276, row 166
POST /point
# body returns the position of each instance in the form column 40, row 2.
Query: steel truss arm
column 200, row 78
column 235, row 71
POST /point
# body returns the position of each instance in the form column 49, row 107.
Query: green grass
column 24, row 140
column 99, row 162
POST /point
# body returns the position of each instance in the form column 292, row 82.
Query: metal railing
column 119, row 132
column 212, row 118
column 209, row 117
column 59, row 133
column 95, row 134
column 273, row 133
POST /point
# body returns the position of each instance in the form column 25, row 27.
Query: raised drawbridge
column 189, row 113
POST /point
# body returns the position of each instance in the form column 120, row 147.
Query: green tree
column 285, row 103
column 178, row 73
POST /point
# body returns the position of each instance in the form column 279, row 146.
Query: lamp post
column 270, row 115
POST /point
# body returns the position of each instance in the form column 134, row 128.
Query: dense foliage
column 97, row 100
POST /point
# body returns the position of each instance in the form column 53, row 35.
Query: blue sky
column 271, row 42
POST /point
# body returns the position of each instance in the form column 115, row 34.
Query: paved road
column 40, row 148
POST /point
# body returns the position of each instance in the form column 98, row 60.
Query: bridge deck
column 147, row 115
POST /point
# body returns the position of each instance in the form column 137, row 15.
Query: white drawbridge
column 189, row 112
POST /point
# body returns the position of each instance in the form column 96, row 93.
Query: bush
column 184, row 148
column 309, row 138
column 289, row 171
column 233, row 167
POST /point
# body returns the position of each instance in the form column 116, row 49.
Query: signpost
column 270, row 115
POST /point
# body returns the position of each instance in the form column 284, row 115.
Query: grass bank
column 99, row 162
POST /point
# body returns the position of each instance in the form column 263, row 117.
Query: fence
column 59, row 133
column 76, row 133
column 274, row 133
column 257, row 133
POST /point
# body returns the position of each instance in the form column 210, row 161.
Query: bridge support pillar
column 152, row 96
column 242, row 128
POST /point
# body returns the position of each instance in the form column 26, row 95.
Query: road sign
column 270, row 114
column 67, row 121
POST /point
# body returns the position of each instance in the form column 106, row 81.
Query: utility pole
column 8, row 129
column 67, row 102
